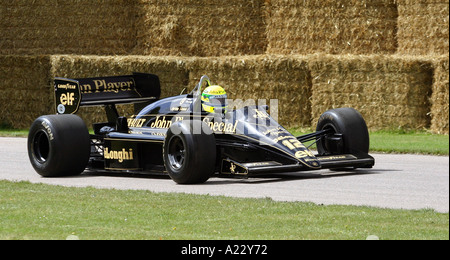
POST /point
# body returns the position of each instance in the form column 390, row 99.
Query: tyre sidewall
column 68, row 145
column 200, row 153
column 349, row 123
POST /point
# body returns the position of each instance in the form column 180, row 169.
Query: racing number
column 293, row 144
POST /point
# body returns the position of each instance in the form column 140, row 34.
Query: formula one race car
column 190, row 137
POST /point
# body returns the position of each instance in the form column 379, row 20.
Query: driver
column 214, row 99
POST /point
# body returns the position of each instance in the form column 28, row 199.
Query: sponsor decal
column 260, row 114
column 67, row 99
column 135, row 122
column 49, row 130
column 303, row 154
column 233, row 168
column 66, row 86
column 161, row 123
column 120, row 156
column 221, row 127
column 101, row 85
column 67, row 96
column 61, row 109
column 337, row 157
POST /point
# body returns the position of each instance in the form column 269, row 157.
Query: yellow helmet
column 214, row 99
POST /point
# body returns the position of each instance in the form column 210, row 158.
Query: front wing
column 233, row 168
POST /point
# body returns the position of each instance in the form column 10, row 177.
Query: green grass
column 409, row 142
column 402, row 141
column 39, row 211
column 13, row 133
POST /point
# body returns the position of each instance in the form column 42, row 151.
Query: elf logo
column 67, row 99
column 121, row 156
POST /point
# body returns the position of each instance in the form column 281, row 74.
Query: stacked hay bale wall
column 25, row 92
column 215, row 28
column 261, row 77
column 200, row 27
column 67, row 27
column 440, row 97
column 209, row 37
column 332, row 27
column 389, row 92
column 423, row 27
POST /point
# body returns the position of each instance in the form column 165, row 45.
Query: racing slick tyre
column 59, row 145
column 189, row 152
column 347, row 132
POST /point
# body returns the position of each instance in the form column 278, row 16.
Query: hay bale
column 171, row 71
column 24, row 89
column 333, row 27
column 67, row 27
column 423, row 27
column 389, row 91
column 440, row 97
column 200, row 27
column 262, row 77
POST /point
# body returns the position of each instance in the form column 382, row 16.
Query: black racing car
column 175, row 136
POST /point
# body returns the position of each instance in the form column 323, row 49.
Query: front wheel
column 346, row 132
column 189, row 152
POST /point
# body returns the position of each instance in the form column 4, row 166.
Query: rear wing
column 71, row 94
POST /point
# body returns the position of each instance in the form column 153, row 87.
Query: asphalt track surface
column 396, row 181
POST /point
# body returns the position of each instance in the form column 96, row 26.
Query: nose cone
column 288, row 144
column 257, row 125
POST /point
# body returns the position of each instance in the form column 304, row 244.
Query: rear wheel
column 347, row 132
column 189, row 157
column 59, row 145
